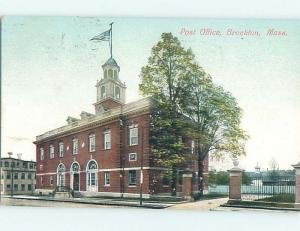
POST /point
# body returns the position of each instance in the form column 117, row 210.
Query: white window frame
column 106, row 178
column 60, row 149
column 133, row 128
column 51, row 151
column 90, row 172
column 92, row 142
column 131, row 154
column 129, row 179
column 107, row 139
column 74, row 146
column 42, row 154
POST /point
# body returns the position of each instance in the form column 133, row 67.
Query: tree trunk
column 174, row 181
column 200, row 176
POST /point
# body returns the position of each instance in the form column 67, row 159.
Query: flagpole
column 111, row 39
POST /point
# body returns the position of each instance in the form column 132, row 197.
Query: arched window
column 117, row 93
column 110, row 73
column 103, row 93
column 92, row 176
column 115, row 75
column 74, row 167
column 60, row 173
column 105, row 74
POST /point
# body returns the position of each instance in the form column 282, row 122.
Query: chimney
column 9, row 154
column 19, row 156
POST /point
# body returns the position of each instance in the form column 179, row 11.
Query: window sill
column 107, row 185
column 131, row 145
column 132, row 186
column 106, row 149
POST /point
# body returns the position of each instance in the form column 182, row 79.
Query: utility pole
column 12, row 179
column 142, row 165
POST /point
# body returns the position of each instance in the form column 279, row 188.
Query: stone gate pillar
column 235, row 182
column 187, row 186
column 297, row 184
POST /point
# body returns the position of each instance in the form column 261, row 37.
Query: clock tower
column 110, row 90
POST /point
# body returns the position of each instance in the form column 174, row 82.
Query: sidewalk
column 114, row 202
column 202, row 205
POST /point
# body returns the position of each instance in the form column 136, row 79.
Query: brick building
column 17, row 176
column 101, row 154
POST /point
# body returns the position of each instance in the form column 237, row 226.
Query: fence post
column 235, row 181
column 297, row 184
column 187, row 186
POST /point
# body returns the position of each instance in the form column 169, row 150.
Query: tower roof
column 111, row 62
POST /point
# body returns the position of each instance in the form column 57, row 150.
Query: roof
column 111, row 62
column 133, row 107
column 12, row 158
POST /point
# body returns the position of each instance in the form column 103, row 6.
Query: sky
column 50, row 68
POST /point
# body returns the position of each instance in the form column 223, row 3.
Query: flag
column 105, row 36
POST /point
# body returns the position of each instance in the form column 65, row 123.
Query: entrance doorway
column 76, row 182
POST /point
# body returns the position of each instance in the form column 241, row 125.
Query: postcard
column 179, row 114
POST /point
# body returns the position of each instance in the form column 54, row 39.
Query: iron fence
column 269, row 188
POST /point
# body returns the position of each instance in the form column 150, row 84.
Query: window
column 132, row 177
column 41, row 154
column 51, row 151
column 8, row 175
column 110, row 73
column 51, row 180
column 25, row 165
column 22, row 187
column 29, row 176
column 75, row 146
column 16, row 175
column 192, row 146
column 132, row 157
column 23, row 176
column 29, row 187
column 105, row 74
column 117, row 93
column 8, row 187
column 133, row 135
column 165, row 180
column 60, row 149
column 107, row 139
column 6, row 164
column 16, row 187
column 103, row 92
column 92, row 176
column 61, row 170
column 41, row 167
column 115, row 75
column 106, row 178
column 41, row 180
column 92, row 142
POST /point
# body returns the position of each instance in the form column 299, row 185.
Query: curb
column 261, row 207
column 110, row 203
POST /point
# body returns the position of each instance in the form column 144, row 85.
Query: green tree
column 164, row 78
column 188, row 103
column 216, row 119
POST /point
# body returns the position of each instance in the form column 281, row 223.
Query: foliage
column 218, row 178
column 188, row 104
column 164, row 79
